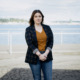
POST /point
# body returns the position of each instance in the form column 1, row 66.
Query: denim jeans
column 46, row 68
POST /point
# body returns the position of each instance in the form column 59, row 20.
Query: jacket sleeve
column 29, row 40
column 51, row 39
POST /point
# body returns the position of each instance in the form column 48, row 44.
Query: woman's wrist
column 47, row 51
column 38, row 53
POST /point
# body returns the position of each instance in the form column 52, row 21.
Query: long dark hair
column 31, row 21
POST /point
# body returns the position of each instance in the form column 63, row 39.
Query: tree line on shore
column 3, row 20
column 6, row 20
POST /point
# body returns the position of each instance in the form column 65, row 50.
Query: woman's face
column 37, row 18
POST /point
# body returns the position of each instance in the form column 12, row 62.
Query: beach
column 60, row 48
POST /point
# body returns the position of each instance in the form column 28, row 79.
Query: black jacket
column 31, row 40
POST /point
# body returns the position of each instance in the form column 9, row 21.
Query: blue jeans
column 46, row 69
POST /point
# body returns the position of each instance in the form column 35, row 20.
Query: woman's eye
column 37, row 16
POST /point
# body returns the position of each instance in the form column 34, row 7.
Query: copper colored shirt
column 41, row 38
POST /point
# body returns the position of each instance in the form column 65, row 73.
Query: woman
column 39, row 38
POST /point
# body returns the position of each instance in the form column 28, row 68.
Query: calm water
column 20, row 39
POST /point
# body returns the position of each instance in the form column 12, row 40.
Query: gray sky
column 52, row 9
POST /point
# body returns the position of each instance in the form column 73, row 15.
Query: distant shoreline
column 49, row 22
column 13, row 23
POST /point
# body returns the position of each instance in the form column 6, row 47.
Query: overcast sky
column 52, row 9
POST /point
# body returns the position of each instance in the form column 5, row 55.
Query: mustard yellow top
column 41, row 38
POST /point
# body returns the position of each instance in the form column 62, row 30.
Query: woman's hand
column 43, row 57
